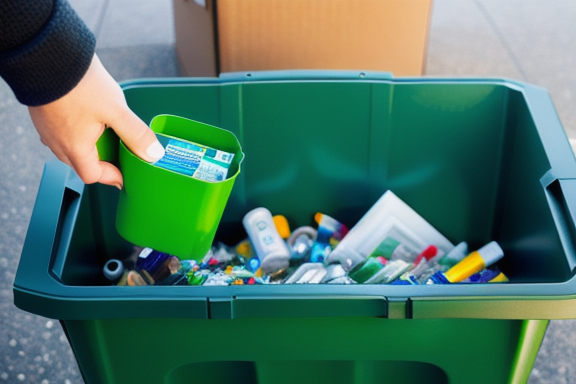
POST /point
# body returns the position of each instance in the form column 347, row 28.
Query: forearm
column 45, row 49
column 49, row 62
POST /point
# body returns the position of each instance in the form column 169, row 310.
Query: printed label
column 145, row 252
column 195, row 160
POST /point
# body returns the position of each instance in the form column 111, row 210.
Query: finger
column 91, row 170
column 138, row 137
column 110, row 175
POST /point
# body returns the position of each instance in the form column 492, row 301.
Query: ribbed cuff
column 52, row 63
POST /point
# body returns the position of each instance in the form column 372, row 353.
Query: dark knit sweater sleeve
column 45, row 49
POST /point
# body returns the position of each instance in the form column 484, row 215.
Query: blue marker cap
column 317, row 258
column 319, row 252
column 438, row 278
column 254, row 264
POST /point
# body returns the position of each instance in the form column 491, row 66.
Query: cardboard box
column 214, row 36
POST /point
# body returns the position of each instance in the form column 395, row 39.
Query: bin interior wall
column 95, row 239
column 465, row 156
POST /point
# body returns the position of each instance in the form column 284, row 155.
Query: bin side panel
column 526, row 229
column 287, row 350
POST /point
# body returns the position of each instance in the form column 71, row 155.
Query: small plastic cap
column 275, row 262
column 302, row 231
column 327, row 222
column 254, row 264
column 244, row 248
column 426, row 254
column 491, row 253
column 459, row 252
column 113, row 269
column 260, row 212
column 282, row 226
column 348, row 257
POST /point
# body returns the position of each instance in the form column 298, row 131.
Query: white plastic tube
column 266, row 241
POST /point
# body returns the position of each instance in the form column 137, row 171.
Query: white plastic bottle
column 270, row 248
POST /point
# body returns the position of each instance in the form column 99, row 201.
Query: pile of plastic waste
column 391, row 244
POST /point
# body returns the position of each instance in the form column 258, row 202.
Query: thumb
column 138, row 137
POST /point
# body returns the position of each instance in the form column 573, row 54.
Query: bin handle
column 70, row 205
column 60, row 188
column 551, row 133
column 561, row 195
column 57, row 204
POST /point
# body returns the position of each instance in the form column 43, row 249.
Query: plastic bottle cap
column 427, row 254
column 244, row 248
column 491, row 253
column 382, row 260
column 348, row 257
column 113, row 269
column 282, row 226
column 274, row 261
column 254, row 263
column 459, row 252
column 306, row 230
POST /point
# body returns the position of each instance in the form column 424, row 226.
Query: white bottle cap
column 261, row 213
column 274, row 262
column 459, row 252
column 113, row 269
column 346, row 256
column 491, row 253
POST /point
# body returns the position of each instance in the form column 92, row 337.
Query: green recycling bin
column 480, row 159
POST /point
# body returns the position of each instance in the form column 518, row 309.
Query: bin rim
column 42, row 293
column 319, row 76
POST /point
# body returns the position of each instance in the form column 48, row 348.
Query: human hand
column 71, row 125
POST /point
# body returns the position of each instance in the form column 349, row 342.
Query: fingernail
column 155, row 151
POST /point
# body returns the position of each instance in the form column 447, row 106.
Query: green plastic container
column 480, row 159
column 168, row 211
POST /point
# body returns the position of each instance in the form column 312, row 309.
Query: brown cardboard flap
column 379, row 35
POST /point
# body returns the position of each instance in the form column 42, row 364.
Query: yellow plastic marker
column 475, row 262
column 501, row 278
column 244, row 248
column 282, row 226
